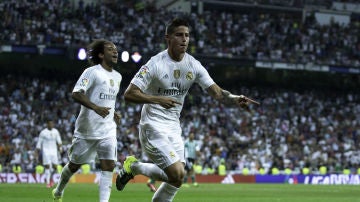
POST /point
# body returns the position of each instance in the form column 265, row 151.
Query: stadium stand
column 291, row 128
column 275, row 36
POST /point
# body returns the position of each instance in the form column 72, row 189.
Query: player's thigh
column 163, row 146
column 107, row 148
column 82, row 151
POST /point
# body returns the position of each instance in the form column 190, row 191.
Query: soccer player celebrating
column 161, row 85
column 95, row 128
column 49, row 143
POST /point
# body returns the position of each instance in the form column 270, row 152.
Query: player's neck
column 176, row 57
column 107, row 67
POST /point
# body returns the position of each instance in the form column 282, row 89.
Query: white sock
column 105, row 186
column 52, row 172
column 150, row 170
column 165, row 193
column 47, row 174
column 64, row 179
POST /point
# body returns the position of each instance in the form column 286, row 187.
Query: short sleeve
column 203, row 78
column 85, row 81
column 143, row 77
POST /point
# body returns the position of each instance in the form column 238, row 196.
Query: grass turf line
column 203, row 193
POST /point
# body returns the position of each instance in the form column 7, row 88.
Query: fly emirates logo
column 111, row 95
column 175, row 89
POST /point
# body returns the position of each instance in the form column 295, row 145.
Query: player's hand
column 60, row 148
column 102, row 111
column 244, row 102
column 168, row 102
column 117, row 117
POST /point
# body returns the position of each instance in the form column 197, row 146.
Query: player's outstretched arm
column 227, row 98
column 135, row 95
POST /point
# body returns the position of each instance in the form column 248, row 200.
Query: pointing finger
column 249, row 100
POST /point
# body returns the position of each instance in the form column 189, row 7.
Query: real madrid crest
column 189, row 76
column 111, row 82
column 177, row 73
column 172, row 154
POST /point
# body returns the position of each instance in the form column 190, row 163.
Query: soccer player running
column 95, row 127
column 49, row 144
column 191, row 152
column 161, row 85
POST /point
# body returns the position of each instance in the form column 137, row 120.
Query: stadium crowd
column 276, row 36
column 291, row 129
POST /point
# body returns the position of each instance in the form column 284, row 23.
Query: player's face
column 191, row 136
column 50, row 124
column 178, row 41
column 110, row 56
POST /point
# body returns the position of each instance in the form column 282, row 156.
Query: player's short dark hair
column 47, row 119
column 94, row 49
column 176, row 22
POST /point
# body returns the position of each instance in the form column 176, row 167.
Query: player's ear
column 101, row 55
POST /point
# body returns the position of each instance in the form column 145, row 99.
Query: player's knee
column 73, row 167
column 176, row 177
column 107, row 165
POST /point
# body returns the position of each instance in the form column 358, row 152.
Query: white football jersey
column 48, row 140
column 162, row 76
column 101, row 87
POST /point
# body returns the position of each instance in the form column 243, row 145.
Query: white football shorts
column 50, row 158
column 83, row 151
column 164, row 146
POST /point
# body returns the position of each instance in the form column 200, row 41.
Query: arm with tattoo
column 227, row 98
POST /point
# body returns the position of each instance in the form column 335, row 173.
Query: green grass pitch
column 203, row 193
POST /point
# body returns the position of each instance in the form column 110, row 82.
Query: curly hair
column 94, row 49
